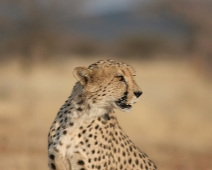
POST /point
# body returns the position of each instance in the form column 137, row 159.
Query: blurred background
column 169, row 43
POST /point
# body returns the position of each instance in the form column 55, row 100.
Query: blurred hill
column 44, row 30
column 54, row 28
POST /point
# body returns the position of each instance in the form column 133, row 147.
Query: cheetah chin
column 121, row 103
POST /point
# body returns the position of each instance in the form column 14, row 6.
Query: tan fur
column 85, row 134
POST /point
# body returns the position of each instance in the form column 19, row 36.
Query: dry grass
column 171, row 122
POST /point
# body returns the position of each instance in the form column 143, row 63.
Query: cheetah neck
column 81, row 108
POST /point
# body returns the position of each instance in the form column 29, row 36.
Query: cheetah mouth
column 123, row 105
column 122, row 102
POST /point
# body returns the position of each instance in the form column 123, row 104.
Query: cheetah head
column 109, row 84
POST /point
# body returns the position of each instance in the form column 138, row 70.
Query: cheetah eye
column 120, row 78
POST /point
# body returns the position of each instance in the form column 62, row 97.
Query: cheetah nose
column 138, row 93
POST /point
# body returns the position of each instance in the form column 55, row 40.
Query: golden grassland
column 172, row 122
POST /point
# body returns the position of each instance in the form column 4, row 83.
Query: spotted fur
column 85, row 134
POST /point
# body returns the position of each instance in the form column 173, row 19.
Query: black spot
column 82, row 169
column 71, row 124
column 64, row 132
column 111, row 125
column 118, row 150
column 90, row 135
column 53, row 166
column 123, row 154
column 79, row 135
column 149, row 163
column 97, row 126
column 93, row 151
column 136, row 161
column 130, row 160
column 79, row 109
column 80, row 162
column 51, row 157
column 89, row 125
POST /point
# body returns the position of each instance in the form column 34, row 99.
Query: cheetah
column 85, row 134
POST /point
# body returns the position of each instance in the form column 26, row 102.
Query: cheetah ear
column 82, row 74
